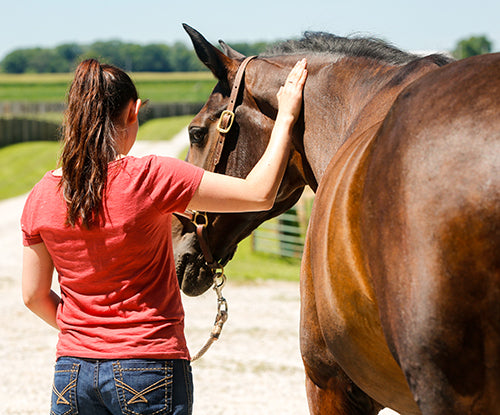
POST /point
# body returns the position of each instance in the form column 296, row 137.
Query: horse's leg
column 336, row 395
column 329, row 389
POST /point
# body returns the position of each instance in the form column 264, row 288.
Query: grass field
column 158, row 87
column 248, row 265
column 163, row 128
column 23, row 164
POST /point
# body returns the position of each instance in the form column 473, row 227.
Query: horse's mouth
column 195, row 277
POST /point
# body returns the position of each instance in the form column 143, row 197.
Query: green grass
column 163, row 128
column 251, row 266
column 158, row 87
column 22, row 165
column 176, row 90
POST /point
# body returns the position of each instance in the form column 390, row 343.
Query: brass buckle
column 200, row 218
column 231, row 119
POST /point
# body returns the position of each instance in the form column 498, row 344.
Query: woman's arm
column 221, row 193
column 36, row 283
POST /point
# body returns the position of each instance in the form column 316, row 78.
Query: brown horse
column 400, row 279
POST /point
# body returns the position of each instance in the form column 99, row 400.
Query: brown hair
column 97, row 97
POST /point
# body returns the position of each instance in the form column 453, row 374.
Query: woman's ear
column 133, row 111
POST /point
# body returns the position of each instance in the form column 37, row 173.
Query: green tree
column 154, row 58
column 183, row 59
column 249, row 49
column 110, row 51
column 131, row 57
column 70, row 53
column 47, row 60
column 16, row 61
column 37, row 60
column 474, row 45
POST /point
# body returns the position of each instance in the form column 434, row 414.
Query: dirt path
column 255, row 368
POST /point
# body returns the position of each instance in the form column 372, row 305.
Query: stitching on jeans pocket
column 64, row 389
column 144, row 387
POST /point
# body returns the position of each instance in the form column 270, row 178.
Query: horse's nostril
column 195, row 278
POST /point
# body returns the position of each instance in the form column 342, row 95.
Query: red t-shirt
column 120, row 294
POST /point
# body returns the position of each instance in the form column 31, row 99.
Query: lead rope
column 220, row 318
column 200, row 220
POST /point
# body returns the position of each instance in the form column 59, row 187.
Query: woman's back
column 117, row 278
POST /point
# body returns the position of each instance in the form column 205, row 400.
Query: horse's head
column 254, row 115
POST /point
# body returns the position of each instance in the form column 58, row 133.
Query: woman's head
column 94, row 128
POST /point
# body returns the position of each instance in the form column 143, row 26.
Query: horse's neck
column 344, row 100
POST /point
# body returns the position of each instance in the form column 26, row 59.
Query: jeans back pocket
column 64, row 388
column 144, row 387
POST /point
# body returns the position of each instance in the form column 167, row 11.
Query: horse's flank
column 434, row 197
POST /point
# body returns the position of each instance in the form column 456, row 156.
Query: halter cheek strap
column 227, row 117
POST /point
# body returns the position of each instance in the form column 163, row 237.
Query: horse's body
column 400, row 279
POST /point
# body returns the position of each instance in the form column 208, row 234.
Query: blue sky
column 415, row 25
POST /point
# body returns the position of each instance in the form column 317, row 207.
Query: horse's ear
column 220, row 64
column 229, row 51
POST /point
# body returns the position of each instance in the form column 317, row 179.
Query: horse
column 400, row 275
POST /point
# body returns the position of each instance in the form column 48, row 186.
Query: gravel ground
column 254, row 368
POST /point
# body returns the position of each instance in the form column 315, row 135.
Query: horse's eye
column 197, row 135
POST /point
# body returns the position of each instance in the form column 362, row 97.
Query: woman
column 103, row 221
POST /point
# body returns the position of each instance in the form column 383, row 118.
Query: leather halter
column 200, row 219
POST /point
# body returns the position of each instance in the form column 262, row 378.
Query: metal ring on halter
column 197, row 215
column 219, row 279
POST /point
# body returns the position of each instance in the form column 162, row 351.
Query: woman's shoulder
column 155, row 162
column 45, row 189
column 153, row 170
column 51, row 178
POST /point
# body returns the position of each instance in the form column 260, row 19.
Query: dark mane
column 367, row 47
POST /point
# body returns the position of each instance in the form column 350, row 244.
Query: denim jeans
column 128, row 386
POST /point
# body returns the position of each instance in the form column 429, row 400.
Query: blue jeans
column 127, row 386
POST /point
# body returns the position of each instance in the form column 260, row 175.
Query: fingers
column 303, row 73
column 290, row 94
column 295, row 80
column 297, row 75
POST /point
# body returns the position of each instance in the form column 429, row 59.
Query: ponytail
column 97, row 97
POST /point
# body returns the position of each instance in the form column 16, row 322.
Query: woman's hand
column 290, row 94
